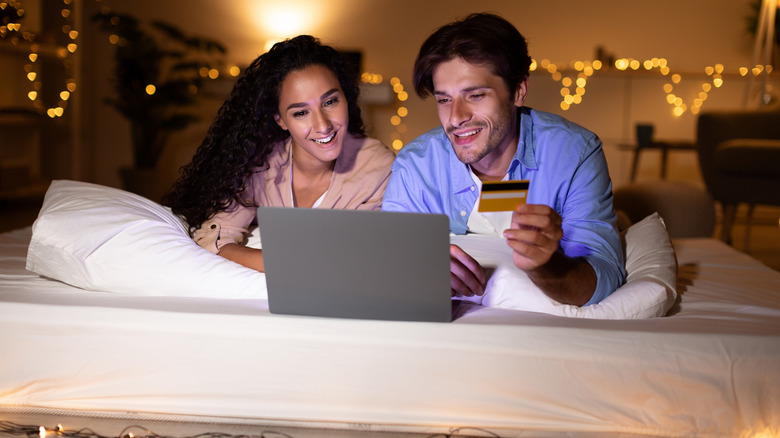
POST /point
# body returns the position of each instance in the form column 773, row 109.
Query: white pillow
column 650, row 288
column 105, row 239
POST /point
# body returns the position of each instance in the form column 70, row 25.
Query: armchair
column 739, row 156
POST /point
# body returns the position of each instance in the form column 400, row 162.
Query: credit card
column 502, row 195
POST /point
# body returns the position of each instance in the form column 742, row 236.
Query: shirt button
column 473, row 188
column 463, row 212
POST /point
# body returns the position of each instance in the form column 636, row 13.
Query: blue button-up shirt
column 567, row 170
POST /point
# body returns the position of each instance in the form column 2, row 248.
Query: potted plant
column 158, row 71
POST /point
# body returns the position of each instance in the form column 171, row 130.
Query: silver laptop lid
column 356, row 264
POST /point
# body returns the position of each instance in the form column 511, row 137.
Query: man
column 565, row 238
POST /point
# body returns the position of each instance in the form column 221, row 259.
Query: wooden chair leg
column 636, row 163
column 729, row 212
column 664, row 157
column 749, row 219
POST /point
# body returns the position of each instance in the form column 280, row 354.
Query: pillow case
column 650, row 289
column 105, row 239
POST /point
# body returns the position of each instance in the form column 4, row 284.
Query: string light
column 573, row 86
column 582, row 70
column 14, row 29
column 210, row 72
column 401, row 111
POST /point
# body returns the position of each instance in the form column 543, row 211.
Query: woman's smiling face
column 313, row 109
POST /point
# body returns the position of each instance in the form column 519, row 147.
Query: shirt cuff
column 608, row 279
column 213, row 236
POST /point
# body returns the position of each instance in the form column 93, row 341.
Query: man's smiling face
column 475, row 108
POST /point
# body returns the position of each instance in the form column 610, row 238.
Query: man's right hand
column 467, row 277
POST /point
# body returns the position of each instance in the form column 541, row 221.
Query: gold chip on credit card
column 502, row 195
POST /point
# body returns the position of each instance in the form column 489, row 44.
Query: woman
column 289, row 135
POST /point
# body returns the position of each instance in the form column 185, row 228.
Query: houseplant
column 158, row 71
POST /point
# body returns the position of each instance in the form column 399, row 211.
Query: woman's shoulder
column 370, row 149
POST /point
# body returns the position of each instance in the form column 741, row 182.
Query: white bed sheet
column 711, row 368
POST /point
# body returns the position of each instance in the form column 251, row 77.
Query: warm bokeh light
column 151, row 89
column 282, row 20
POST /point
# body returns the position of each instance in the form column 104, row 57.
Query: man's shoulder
column 543, row 119
column 431, row 143
column 553, row 126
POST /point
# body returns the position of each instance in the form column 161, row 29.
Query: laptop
column 356, row 264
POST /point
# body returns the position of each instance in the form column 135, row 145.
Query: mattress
column 711, row 367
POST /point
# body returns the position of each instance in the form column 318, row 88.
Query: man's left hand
column 534, row 235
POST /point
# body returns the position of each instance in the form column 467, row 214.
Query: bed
column 182, row 349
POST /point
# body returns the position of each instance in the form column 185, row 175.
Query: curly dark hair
column 481, row 38
column 245, row 130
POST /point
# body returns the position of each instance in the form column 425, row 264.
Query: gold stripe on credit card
column 502, row 195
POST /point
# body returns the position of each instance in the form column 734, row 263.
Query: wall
column 691, row 35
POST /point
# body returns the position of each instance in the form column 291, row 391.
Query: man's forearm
column 566, row 280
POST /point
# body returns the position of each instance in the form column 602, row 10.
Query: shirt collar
column 526, row 145
column 461, row 180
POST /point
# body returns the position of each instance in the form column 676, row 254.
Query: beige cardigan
column 359, row 178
